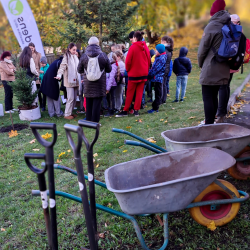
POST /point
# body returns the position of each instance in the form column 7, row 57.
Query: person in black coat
column 94, row 91
column 169, row 44
column 182, row 68
column 50, row 88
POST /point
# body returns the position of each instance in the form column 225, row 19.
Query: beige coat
column 7, row 71
column 63, row 70
column 37, row 59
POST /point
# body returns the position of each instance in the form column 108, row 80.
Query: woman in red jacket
column 137, row 65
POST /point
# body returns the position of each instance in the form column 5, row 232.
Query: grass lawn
column 21, row 220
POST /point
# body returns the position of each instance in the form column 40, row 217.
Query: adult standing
column 168, row 42
column 68, row 69
column 137, row 65
column 7, row 71
column 213, row 73
column 27, row 62
column 94, row 91
column 224, row 92
column 50, row 88
column 37, row 59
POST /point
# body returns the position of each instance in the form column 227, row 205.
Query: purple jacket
column 110, row 82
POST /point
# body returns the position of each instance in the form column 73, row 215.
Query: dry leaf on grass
column 121, row 146
column 58, row 161
column 69, row 151
column 95, row 155
column 97, row 166
column 151, row 139
column 33, row 141
column 46, row 136
column 13, row 133
column 2, row 229
column 125, row 151
column 211, row 226
column 166, row 121
column 36, row 149
column 102, row 235
column 192, row 117
column 162, row 120
column 13, row 150
column 61, row 154
column 128, row 127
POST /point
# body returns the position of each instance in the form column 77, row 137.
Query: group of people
column 104, row 82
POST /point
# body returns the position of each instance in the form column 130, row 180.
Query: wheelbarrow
column 162, row 190
column 227, row 137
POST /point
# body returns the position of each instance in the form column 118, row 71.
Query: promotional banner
column 23, row 23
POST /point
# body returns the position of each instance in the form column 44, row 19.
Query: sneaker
column 122, row 114
column 181, row 100
column 109, row 114
column 136, row 113
column 69, row 117
column 10, row 111
column 151, row 111
column 175, row 101
column 131, row 111
column 43, row 109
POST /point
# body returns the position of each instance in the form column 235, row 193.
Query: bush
column 22, row 88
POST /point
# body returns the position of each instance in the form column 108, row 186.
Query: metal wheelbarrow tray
column 227, row 137
column 165, row 182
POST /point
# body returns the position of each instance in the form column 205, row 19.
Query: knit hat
column 131, row 34
column 44, row 60
column 235, row 18
column 93, row 40
column 160, row 48
column 217, row 6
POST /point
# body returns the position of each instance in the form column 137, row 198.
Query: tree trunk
column 151, row 39
column 79, row 46
column 100, row 32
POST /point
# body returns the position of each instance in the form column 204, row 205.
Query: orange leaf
column 13, row 133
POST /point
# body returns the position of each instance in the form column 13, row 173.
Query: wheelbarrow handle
column 35, row 126
column 139, row 144
column 74, row 129
column 93, row 125
column 121, row 131
column 34, row 169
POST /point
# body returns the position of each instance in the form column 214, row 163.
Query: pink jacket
column 110, row 82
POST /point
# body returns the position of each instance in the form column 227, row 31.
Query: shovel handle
column 93, row 125
column 35, row 126
column 28, row 157
column 74, row 129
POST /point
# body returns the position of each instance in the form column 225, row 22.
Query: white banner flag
column 23, row 23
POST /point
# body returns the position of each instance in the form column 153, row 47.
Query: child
column 182, row 68
column 111, row 84
column 157, row 75
column 43, row 69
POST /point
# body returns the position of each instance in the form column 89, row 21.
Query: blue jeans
column 143, row 102
column 181, row 85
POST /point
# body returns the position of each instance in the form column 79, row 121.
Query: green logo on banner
column 16, row 7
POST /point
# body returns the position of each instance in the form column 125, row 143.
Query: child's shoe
column 136, row 113
column 151, row 111
column 122, row 114
column 181, row 100
column 176, row 100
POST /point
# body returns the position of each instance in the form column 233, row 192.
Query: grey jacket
column 213, row 72
column 97, row 88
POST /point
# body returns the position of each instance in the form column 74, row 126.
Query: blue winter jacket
column 158, row 69
column 182, row 64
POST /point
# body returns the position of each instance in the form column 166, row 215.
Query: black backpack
column 237, row 61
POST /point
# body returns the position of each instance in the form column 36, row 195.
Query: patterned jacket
column 158, row 70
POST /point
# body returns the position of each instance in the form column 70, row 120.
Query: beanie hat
column 131, row 34
column 217, row 6
column 160, row 48
column 5, row 54
column 93, row 40
column 235, row 18
column 44, row 60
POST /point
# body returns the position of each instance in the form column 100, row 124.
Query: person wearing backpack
column 224, row 92
column 213, row 73
column 94, row 65
column 68, row 69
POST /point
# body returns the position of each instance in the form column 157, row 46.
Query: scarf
column 73, row 62
column 7, row 61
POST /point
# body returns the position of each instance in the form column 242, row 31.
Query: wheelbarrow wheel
column 240, row 171
column 222, row 214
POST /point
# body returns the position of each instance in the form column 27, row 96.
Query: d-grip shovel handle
column 75, row 129
column 93, row 125
column 38, row 125
column 34, row 169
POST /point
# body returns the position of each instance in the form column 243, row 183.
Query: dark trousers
column 93, row 106
column 112, row 98
column 158, row 95
column 39, row 95
column 210, row 100
column 8, row 96
column 224, row 95
column 165, row 88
